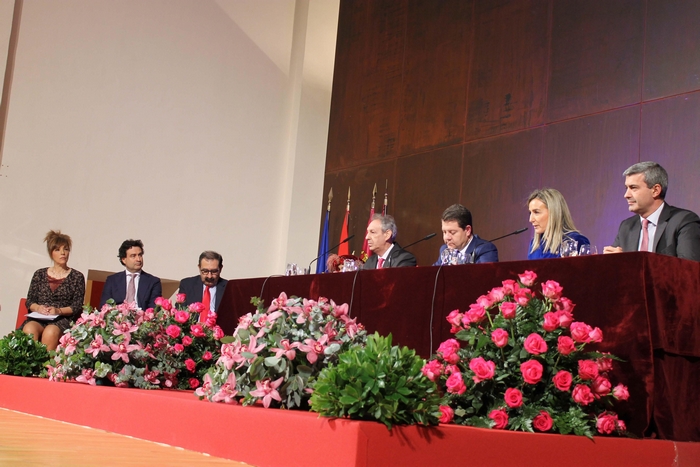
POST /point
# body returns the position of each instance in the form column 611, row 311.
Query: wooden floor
column 28, row 440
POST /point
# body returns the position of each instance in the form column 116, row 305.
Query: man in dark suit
column 134, row 284
column 381, row 235
column 459, row 237
column 208, row 281
column 657, row 227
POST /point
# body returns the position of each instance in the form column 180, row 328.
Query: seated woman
column 550, row 216
column 55, row 291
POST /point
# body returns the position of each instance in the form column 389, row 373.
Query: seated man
column 657, row 227
column 458, row 235
column 134, row 284
column 381, row 233
column 208, row 287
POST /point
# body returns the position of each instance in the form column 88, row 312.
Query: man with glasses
column 208, row 287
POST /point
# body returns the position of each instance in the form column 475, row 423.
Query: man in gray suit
column 657, row 227
column 381, row 235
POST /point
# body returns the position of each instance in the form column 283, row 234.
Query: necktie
column 206, row 301
column 131, row 289
column 645, row 236
column 380, row 263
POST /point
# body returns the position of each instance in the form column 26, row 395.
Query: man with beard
column 208, row 287
column 460, row 239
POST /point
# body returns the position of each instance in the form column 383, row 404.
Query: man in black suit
column 134, row 284
column 208, row 281
column 381, row 235
column 657, row 227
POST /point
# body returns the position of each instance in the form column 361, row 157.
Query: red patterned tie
column 380, row 263
column 206, row 301
column 645, row 236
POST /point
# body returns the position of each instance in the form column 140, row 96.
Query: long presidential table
column 647, row 305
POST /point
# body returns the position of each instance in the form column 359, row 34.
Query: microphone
column 519, row 231
column 329, row 250
column 262, row 289
column 427, row 237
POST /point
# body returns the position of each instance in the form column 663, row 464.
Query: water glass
column 569, row 248
column 586, row 250
column 350, row 265
column 450, row 257
column 292, row 269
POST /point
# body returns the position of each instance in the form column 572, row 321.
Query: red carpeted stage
column 270, row 437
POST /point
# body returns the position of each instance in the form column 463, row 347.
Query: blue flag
column 323, row 248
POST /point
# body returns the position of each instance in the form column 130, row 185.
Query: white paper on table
column 36, row 315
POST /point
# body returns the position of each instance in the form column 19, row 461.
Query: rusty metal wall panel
column 508, row 77
column 584, row 159
column 596, row 61
column 499, row 173
column 672, row 61
column 366, row 100
column 671, row 137
column 426, row 184
column 435, row 74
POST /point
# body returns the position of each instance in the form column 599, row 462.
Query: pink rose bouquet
column 518, row 361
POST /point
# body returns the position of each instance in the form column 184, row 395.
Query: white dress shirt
column 137, row 278
column 651, row 228
column 212, row 296
column 385, row 256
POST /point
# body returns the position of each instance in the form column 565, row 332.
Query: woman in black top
column 55, row 291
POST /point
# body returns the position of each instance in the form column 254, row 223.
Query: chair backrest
column 21, row 312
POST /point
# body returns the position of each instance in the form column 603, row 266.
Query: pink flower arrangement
column 275, row 351
column 513, row 398
column 447, row 414
column 562, row 380
column 499, row 337
column 126, row 346
column 523, row 355
column 543, row 421
column 455, row 384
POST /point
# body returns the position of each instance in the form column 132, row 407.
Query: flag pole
column 323, row 246
column 386, row 197
column 364, row 254
column 344, row 249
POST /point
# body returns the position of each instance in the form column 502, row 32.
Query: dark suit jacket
column 677, row 234
column 398, row 258
column 481, row 250
column 192, row 288
column 149, row 290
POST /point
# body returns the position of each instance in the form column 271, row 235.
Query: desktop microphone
column 329, row 250
column 427, row 237
column 519, row 231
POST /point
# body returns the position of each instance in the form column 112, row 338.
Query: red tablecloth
column 647, row 305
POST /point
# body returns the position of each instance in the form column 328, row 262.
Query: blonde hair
column 55, row 239
column 559, row 223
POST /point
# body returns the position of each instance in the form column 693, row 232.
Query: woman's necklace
column 58, row 273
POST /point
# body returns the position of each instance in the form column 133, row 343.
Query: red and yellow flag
column 344, row 248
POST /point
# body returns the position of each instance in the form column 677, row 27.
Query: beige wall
column 164, row 121
column 6, row 8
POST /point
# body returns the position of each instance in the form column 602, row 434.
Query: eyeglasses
column 213, row 272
